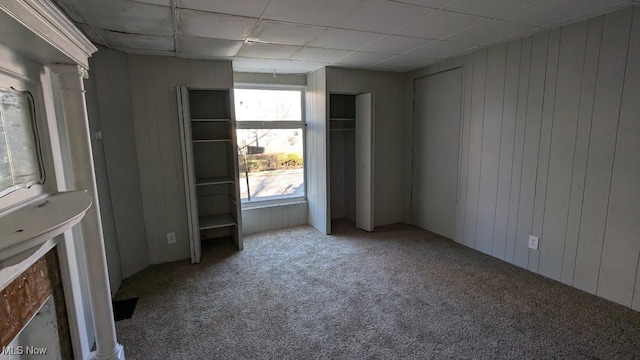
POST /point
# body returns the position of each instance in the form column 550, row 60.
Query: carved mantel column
column 75, row 117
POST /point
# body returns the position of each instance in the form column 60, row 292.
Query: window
column 270, row 133
column 20, row 159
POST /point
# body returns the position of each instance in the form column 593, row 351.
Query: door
column 437, row 116
column 364, row 161
column 184, row 116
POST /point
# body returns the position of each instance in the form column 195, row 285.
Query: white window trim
column 277, row 124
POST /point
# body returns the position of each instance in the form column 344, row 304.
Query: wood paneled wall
column 274, row 217
column 316, row 156
column 153, row 82
column 109, row 76
column 111, row 246
column 265, row 78
column 549, row 147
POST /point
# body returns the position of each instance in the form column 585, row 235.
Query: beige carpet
column 400, row 292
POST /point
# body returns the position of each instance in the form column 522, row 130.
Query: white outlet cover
column 171, row 238
column 533, row 242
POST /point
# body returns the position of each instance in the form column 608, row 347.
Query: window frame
column 276, row 124
column 19, row 195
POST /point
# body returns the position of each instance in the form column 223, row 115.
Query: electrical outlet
column 171, row 238
column 533, row 242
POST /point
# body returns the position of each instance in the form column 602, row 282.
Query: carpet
column 398, row 293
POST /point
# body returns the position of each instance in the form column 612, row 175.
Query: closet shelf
column 343, row 130
column 342, row 119
column 214, row 181
column 216, row 221
column 212, row 141
column 210, row 120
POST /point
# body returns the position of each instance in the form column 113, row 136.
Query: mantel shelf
column 41, row 220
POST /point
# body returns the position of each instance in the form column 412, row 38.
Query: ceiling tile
column 301, row 66
column 553, row 13
column 280, row 66
column 402, row 63
column 382, row 16
column 490, row 8
column 611, row 7
column 313, row 12
column 285, row 33
column 363, row 59
column 251, row 8
column 492, row 31
column 227, row 27
column 208, row 48
column 267, row 51
column 440, row 49
column 146, row 52
column 395, row 45
column 435, row 4
column 344, row 39
column 319, row 55
column 132, row 41
column 127, row 16
column 441, row 24
column 398, row 33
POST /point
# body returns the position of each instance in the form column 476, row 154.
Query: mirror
column 20, row 157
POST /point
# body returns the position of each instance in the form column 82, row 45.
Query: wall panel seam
column 470, row 63
column 524, row 135
column 484, row 109
column 615, row 146
column 586, row 171
column 145, row 121
column 575, row 145
column 163, row 166
column 513, row 149
column 535, row 186
column 553, row 115
column 495, row 209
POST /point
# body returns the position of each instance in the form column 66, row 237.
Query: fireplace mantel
column 40, row 220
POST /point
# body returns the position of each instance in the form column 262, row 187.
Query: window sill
column 272, row 203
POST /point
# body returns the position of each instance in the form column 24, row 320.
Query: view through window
column 20, row 162
column 270, row 132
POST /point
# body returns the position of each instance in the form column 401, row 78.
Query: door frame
column 328, row 155
column 460, row 140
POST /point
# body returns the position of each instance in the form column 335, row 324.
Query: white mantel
column 33, row 223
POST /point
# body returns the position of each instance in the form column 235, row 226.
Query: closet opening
column 351, row 159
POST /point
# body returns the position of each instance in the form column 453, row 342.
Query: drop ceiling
column 299, row 36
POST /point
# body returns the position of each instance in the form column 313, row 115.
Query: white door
column 436, row 141
column 364, row 161
column 184, row 116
